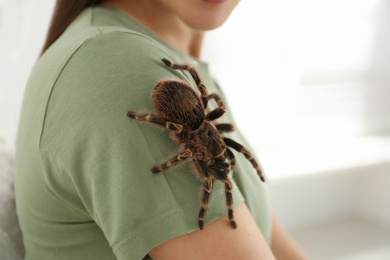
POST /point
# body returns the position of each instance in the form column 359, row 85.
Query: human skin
column 182, row 23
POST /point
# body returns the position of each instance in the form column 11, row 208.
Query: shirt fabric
column 83, row 184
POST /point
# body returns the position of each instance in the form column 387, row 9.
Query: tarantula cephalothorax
column 182, row 111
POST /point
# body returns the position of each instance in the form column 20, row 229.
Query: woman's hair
column 65, row 11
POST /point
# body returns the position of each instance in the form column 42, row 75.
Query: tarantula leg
column 231, row 157
column 217, row 99
column 229, row 202
column 194, row 74
column 219, row 172
column 208, row 185
column 173, row 161
column 216, row 113
column 173, row 126
column 225, row 128
column 219, row 111
column 225, row 167
column 238, row 147
column 146, row 117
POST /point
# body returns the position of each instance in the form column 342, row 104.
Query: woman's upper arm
column 283, row 246
column 218, row 241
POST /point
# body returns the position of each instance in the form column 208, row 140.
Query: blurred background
column 308, row 82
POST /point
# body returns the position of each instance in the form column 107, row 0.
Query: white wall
column 309, row 200
column 23, row 26
column 374, row 194
column 312, row 68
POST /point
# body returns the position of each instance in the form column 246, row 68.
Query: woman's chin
column 207, row 20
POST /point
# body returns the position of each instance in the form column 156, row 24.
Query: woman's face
column 200, row 14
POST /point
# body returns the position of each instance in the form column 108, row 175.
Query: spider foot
column 167, row 62
column 131, row 114
column 261, row 177
column 201, row 224
column 231, row 219
column 233, row 224
column 156, row 169
column 201, row 218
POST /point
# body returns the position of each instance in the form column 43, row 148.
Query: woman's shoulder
column 104, row 46
column 91, row 56
column 100, row 44
column 100, row 69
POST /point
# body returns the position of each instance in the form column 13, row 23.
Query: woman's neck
column 167, row 25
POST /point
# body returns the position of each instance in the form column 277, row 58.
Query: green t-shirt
column 84, row 188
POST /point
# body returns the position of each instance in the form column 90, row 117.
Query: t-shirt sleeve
column 108, row 156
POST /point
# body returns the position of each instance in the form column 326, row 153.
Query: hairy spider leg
column 221, row 170
column 222, row 176
column 207, row 187
column 174, row 126
column 194, row 74
column 229, row 202
column 156, row 120
column 225, row 128
column 146, row 117
column 181, row 157
column 219, row 111
column 231, row 157
column 228, row 184
column 238, row 147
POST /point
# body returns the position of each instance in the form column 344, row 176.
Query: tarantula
column 182, row 111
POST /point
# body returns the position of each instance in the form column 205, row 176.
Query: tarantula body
column 176, row 102
column 182, row 111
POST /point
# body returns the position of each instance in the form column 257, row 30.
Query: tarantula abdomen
column 177, row 102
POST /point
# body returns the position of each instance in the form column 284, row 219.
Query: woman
column 84, row 188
